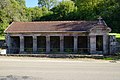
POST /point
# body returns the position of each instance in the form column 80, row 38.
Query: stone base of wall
column 55, row 55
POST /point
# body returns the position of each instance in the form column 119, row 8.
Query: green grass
column 108, row 58
column 2, row 37
column 117, row 57
column 117, row 35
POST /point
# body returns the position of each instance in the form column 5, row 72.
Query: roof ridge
column 53, row 21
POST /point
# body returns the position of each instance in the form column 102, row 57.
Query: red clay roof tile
column 44, row 26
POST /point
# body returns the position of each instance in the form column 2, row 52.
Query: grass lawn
column 2, row 37
column 117, row 35
column 117, row 57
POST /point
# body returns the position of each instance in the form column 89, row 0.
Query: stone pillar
column 105, row 44
column 92, row 44
column 75, row 43
column 34, row 44
column 21, row 44
column 8, row 41
column 88, row 43
column 61, row 43
column 47, row 44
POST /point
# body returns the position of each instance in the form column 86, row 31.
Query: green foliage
column 21, row 2
column 47, row 3
column 15, row 10
column 116, row 34
column 34, row 13
column 108, row 9
column 28, row 49
column 69, row 50
column 41, row 50
column 117, row 57
column 2, row 37
column 108, row 58
column 55, row 50
column 11, row 10
column 63, row 10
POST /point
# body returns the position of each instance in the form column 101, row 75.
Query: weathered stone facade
column 93, row 40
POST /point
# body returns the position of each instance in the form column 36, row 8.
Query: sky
column 31, row 3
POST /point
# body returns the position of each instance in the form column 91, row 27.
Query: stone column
column 8, row 41
column 92, row 44
column 34, row 44
column 105, row 44
column 47, row 44
column 21, row 44
column 88, row 43
column 61, row 43
column 75, row 43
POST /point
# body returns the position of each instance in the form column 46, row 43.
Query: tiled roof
column 46, row 26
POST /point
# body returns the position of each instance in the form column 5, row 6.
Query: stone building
column 83, row 37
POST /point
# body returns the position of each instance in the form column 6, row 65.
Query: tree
column 47, row 3
column 34, row 13
column 11, row 10
column 62, row 10
column 15, row 10
column 21, row 2
column 108, row 9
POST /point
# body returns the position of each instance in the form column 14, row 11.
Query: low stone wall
column 118, row 47
column 2, row 51
column 2, row 42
